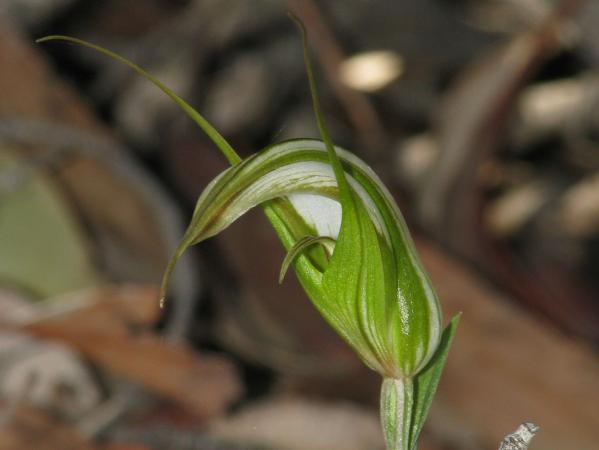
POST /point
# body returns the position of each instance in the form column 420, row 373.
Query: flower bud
column 350, row 249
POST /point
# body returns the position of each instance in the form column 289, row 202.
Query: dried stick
column 519, row 439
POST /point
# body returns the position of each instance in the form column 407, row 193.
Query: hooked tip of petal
column 326, row 242
column 282, row 274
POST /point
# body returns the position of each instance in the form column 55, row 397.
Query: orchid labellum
column 350, row 249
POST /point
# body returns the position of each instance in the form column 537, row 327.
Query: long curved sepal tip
column 210, row 131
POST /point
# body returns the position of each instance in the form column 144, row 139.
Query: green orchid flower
column 350, row 249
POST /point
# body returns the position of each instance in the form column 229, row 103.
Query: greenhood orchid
column 350, row 249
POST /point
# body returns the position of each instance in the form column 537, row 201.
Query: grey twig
column 519, row 439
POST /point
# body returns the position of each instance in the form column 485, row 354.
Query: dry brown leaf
column 507, row 366
column 127, row 446
column 204, row 385
column 108, row 309
column 30, row 429
column 112, row 310
column 100, row 328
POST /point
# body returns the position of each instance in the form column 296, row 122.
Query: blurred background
column 481, row 116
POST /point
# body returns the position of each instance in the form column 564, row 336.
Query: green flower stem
column 397, row 404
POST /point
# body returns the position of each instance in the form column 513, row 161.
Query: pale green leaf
column 426, row 382
column 43, row 248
